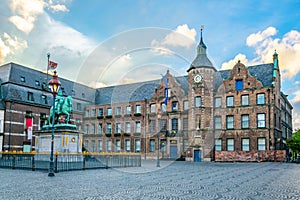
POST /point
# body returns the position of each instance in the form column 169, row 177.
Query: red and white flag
column 52, row 65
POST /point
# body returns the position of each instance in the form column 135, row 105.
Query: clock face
column 197, row 78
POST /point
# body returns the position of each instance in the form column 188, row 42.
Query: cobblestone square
column 173, row 180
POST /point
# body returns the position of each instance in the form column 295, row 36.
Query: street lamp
column 158, row 137
column 55, row 85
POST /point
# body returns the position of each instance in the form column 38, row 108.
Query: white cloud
column 240, row 57
column 288, row 48
column 95, row 84
column 296, row 97
column 57, row 7
column 10, row 45
column 296, row 121
column 254, row 38
column 26, row 12
column 182, row 36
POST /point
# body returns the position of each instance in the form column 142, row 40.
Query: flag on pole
column 164, row 106
column 52, row 65
column 29, row 123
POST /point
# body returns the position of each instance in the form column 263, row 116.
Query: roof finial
column 201, row 28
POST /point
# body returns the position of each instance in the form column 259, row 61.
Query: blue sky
column 99, row 42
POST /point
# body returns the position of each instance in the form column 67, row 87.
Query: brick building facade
column 226, row 115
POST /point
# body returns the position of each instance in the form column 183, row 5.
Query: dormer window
column 22, row 79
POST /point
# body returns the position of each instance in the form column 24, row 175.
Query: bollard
column 33, row 163
column 55, row 163
column 83, row 164
column 14, row 162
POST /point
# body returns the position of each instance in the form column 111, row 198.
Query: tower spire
column 201, row 49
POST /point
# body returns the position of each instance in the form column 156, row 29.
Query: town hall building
column 207, row 115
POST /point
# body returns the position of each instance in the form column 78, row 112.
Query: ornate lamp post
column 55, row 85
column 158, row 137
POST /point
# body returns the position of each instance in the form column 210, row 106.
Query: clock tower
column 201, row 91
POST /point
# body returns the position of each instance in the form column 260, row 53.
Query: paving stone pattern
column 173, row 180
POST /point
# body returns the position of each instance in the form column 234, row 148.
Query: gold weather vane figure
column 202, row 27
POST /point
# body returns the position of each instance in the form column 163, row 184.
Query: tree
column 294, row 143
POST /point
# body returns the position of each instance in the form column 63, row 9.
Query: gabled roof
column 263, row 72
column 126, row 93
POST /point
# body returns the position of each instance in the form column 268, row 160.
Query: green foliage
column 294, row 141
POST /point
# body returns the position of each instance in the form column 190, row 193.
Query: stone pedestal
column 67, row 141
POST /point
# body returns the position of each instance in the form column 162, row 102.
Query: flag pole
column 48, row 56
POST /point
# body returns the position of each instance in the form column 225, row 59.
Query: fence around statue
column 68, row 161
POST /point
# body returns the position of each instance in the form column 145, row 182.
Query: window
column 83, row 95
column 93, row 114
column 230, row 144
column 245, row 121
column 127, row 145
column 261, row 120
column 138, row 127
column 73, row 93
column 229, row 101
column 245, row 144
column 100, row 149
column 93, row 131
column 87, row 113
column 175, row 124
column 162, row 125
column 128, row 110
column 218, row 102
column 127, row 127
column 138, row 109
column 152, row 126
column 86, row 129
column 118, row 145
column 153, row 108
column 261, row 144
column 185, row 124
column 260, row 99
column 218, row 123
column 108, row 112
column 108, row 145
column 152, row 145
column 137, row 145
column 100, row 128
column 218, row 145
column 37, row 83
column 86, row 144
column 118, row 110
column 92, row 149
column 22, row 79
column 44, row 99
column 118, row 128
column 245, row 100
column 108, row 128
column 30, row 96
column 197, row 102
column 78, row 106
column 239, row 84
column 175, row 106
column 185, row 105
column 100, row 112
column 229, row 122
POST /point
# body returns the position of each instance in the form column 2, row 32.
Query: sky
column 102, row 42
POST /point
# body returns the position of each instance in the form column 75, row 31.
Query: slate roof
column 126, row 93
column 263, row 72
column 184, row 83
column 16, row 90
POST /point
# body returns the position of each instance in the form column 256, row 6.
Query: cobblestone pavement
column 173, row 180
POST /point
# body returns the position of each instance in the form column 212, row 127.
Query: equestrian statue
column 63, row 110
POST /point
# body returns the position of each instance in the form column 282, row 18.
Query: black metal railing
column 68, row 161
